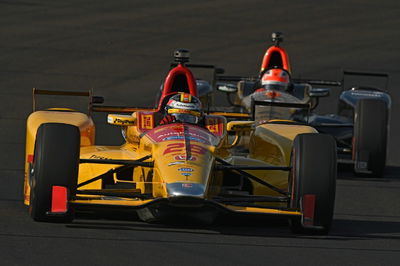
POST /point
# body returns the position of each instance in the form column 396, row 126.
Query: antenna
column 277, row 37
column 181, row 56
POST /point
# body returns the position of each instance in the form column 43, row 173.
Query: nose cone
column 185, row 189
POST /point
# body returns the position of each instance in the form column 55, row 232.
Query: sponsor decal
column 174, row 147
column 212, row 125
column 194, row 133
column 186, row 174
column 187, row 185
column 226, row 88
column 94, row 156
column 198, row 140
column 182, row 137
column 188, row 106
column 30, row 158
column 172, row 138
column 186, row 169
column 215, row 125
column 120, row 121
column 147, row 121
column 180, row 147
column 367, row 93
column 186, row 97
column 175, row 163
column 185, row 158
column 183, row 111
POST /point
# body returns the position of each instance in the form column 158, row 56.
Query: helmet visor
column 186, row 118
column 278, row 86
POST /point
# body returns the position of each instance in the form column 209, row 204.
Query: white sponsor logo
column 175, row 163
column 185, row 169
column 188, row 106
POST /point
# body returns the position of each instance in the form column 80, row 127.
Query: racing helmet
column 184, row 107
column 275, row 79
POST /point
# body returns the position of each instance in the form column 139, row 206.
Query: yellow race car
column 178, row 161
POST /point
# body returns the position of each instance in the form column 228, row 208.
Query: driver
column 275, row 79
column 184, row 108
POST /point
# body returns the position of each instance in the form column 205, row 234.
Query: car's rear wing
column 88, row 93
column 345, row 73
column 218, row 70
column 94, row 104
column 236, row 78
column 121, row 109
column 319, row 82
column 376, row 75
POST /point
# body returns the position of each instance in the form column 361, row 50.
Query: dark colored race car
column 360, row 126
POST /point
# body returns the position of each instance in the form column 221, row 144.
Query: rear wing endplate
column 366, row 74
column 89, row 93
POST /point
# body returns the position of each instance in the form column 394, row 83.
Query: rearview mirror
column 226, row 87
column 121, row 120
column 240, row 126
column 319, row 92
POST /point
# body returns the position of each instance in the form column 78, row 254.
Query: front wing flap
column 134, row 204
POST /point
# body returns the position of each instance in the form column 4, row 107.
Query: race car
column 178, row 161
column 360, row 126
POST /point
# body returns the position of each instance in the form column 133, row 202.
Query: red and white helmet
column 275, row 79
column 185, row 107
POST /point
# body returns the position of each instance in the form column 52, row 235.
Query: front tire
column 56, row 162
column 314, row 170
column 370, row 137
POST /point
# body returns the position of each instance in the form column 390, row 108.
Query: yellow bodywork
column 54, row 115
column 272, row 144
column 181, row 154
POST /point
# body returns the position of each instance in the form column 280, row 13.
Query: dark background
column 122, row 49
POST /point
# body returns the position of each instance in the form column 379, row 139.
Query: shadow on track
column 366, row 229
column 359, row 228
column 345, row 172
column 255, row 226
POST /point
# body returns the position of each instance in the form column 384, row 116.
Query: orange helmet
column 275, row 79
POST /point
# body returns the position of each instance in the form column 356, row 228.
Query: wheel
column 56, row 161
column 313, row 173
column 370, row 137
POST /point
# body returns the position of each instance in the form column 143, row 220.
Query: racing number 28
column 180, row 147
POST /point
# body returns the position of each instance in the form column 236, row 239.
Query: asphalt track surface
column 123, row 49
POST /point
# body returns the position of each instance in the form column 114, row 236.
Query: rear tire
column 314, row 170
column 56, row 161
column 370, row 137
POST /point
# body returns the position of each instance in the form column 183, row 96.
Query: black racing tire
column 56, row 162
column 314, row 170
column 370, row 136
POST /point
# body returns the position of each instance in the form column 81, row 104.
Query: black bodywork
column 341, row 124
